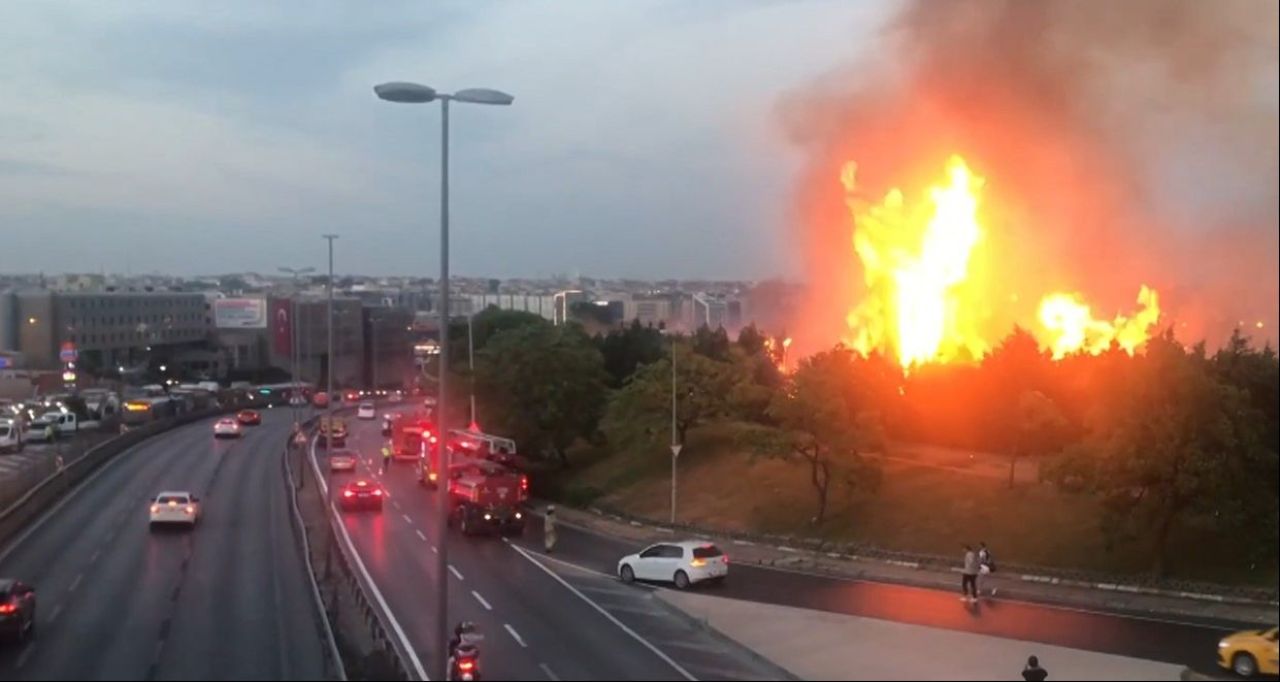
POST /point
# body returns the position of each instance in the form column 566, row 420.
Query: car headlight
column 1224, row 644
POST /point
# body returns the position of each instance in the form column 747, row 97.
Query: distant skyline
column 185, row 137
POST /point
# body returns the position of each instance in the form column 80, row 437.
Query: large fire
column 926, row 303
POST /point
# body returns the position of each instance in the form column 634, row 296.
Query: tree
column 712, row 344
column 542, row 385
column 626, row 349
column 1170, row 443
column 644, row 403
column 750, row 340
column 1041, row 429
column 826, row 419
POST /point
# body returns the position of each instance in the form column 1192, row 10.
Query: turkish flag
column 282, row 323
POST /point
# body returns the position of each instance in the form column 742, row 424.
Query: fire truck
column 483, row 445
column 410, row 433
column 486, row 497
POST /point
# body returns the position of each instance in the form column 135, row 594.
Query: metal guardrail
column 385, row 632
column 334, row 655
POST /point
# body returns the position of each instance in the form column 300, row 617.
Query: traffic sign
column 675, row 450
column 68, row 352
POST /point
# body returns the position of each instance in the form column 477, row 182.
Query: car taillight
column 377, row 493
column 724, row 559
column 6, row 609
column 433, row 476
column 698, row 563
column 347, row 493
column 466, row 664
column 155, row 508
column 190, row 510
column 524, row 483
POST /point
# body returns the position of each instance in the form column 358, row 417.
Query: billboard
column 240, row 313
column 282, row 326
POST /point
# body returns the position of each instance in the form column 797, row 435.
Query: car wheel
column 627, row 575
column 681, row 580
column 1244, row 665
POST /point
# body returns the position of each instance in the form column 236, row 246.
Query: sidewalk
column 817, row 645
column 1029, row 588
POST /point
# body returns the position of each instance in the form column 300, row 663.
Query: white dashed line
column 546, row 670
column 515, row 635
column 75, row 583
column 421, row 536
column 455, row 572
column 395, row 504
column 406, row 518
column 57, row 611
column 22, row 659
column 434, row 549
column 480, row 599
column 97, row 553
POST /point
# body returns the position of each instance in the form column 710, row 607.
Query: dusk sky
column 188, row 137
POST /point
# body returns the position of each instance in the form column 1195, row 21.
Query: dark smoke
column 1123, row 143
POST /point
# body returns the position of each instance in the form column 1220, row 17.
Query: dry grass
column 926, row 508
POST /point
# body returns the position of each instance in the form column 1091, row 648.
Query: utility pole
column 328, row 441
column 675, row 444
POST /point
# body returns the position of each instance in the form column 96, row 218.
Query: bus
column 144, row 410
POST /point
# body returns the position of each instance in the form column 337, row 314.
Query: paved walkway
column 818, row 645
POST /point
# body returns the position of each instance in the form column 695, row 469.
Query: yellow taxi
column 1249, row 652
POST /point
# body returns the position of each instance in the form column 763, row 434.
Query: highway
column 230, row 600
column 540, row 620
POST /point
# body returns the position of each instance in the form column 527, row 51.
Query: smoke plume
column 1122, row 142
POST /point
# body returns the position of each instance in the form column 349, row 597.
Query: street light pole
column 471, row 366
column 294, row 343
column 328, row 441
column 675, row 444
column 413, row 93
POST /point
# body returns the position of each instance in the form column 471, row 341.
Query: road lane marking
column 22, row 659
column 610, row 617
column 396, row 504
column 96, row 553
column 480, row 599
column 57, row 611
column 406, row 518
column 546, row 670
column 75, row 583
column 373, row 587
column 455, row 572
column 420, row 535
column 434, row 549
column 515, row 635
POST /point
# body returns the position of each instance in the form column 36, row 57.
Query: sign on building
column 240, row 313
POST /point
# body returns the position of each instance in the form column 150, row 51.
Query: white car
column 10, row 435
column 175, row 508
column 366, row 411
column 227, row 428
column 683, row 563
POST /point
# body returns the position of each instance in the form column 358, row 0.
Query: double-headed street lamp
column 295, row 390
column 414, row 93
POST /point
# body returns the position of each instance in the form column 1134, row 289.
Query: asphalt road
column 1173, row 641
column 540, row 620
column 229, row 600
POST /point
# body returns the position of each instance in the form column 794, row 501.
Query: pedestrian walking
column 986, row 567
column 969, row 575
column 1033, row 672
column 386, row 457
column 549, row 528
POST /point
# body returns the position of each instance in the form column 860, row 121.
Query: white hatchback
column 175, row 508
column 683, row 563
column 366, row 411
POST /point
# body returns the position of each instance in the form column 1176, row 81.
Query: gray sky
column 178, row 136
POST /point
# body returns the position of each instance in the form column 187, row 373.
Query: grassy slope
column 919, row 508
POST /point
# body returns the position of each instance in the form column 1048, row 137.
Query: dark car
column 249, row 417
column 17, row 610
column 361, row 494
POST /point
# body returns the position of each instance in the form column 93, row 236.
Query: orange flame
column 1070, row 327
column 925, row 304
